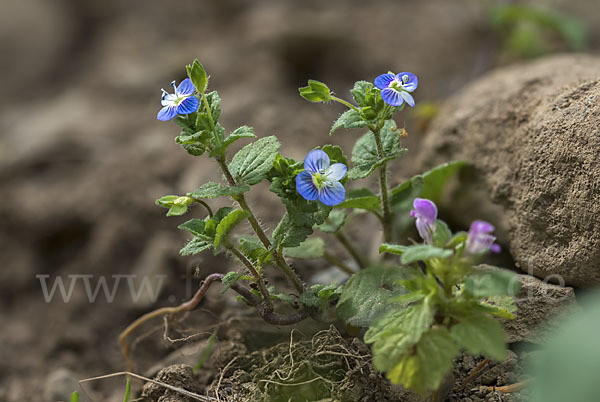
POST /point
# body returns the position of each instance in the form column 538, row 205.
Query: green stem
column 338, row 263
column 344, row 102
column 205, row 205
column 259, row 280
column 383, row 186
column 241, row 200
column 210, row 118
column 350, row 247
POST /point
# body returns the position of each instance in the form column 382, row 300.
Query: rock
column 532, row 134
column 541, row 308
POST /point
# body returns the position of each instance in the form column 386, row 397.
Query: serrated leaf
column 497, row 282
column 413, row 320
column 319, row 296
column 364, row 154
column 238, row 133
column 195, row 246
column 198, row 76
column 196, row 227
column 365, row 295
column 226, row 226
column 315, row 92
column 335, row 153
column 310, row 248
column 359, row 92
column 289, row 234
column 425, row 369
column 214, row 190
column 214, row 103
column 481, row 335
column 423, row 252
column 253, row 162
column 349, row 119
column 252, row 247
column 230, row 279
column 363, row 199
column 335, row 221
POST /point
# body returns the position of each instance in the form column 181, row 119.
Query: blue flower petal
column 185, row 88
column 412, row 82
column 306, row 187
column 408, row 98
column 332, row 195
column 336, row 172
column 383, row 81
column 316, row 161
column 167, row 113
column 188, row 105
column 391, row 97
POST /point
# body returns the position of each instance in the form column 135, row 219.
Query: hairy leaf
column 310, row 248
column 195, row 246
column 198, row 76
column 423, row 252
column 349, row 119
column 315, row 92
column 214, row 190
column 335, row 221
column 363, row 199
column 226, row 225
column 481, row 335
column 253, row 162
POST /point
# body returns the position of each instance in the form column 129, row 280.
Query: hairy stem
column 350, row 247
column 383, row 186
column 205, row 205
column 259, row 280
column 241, row 200
column 338, row 263
column 345, row 103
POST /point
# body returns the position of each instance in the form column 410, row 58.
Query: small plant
column 419, row 313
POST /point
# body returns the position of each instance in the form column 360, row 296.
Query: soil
column 82, row 159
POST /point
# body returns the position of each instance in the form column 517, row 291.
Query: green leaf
column 253, row 248
column 214, row 190
column 360, row 92
column 425, row 369
column 226, row 226
column 195, row 246
column 349, row 119
column 364, row 154
column 238, row 133
column 310, row 248
column 319, row 296
column 315, row 92
column 335, row 221
column 496, row 282
column 363, row 199
column 442, row 234
column 392, row 249
column 166, row 201
column 413, row 321
column 198, row 76
column 206, row 352
column 435, row 179
column 214, row 103
column 231, row 278
column 402, row 196
column 365, row 295
column 75, row 397
column 423, row 252
column 177, row 210
column 253, row 162
column 481, row 335
column 289, row 234
column 196, row 227
column 335, row 153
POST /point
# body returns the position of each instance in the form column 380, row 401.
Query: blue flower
column 182, row 101
column 480, row 238
column 320, row 181
column 426, row 213
column 395, row 88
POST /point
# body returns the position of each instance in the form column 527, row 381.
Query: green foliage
column 127, row 391
column 319, row 296
column 481, row 335
column 195, row 246
column 231, row 278
column 75, row 397
column 214, row 190
column 238, row 133
column 365, row 295
column 435, row 179
column 204, row 231
column 177, row 205
column 364, row 154
column 362, row 199
column 198, row 76
column 486, row 283
column 315, row 92
column 252, row 163
column 442, row 234
column 253, row 248
column 310, row 248
column 422, row 252
column 349, row 119
column 334, row 222
column 206, row 352
column 226, row 226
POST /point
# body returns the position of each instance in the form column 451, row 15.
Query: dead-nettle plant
column 419, row 314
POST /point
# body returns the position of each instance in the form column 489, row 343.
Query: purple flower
column 395, row 88
column 320, row 181
column 480, row 239
column 426, row 213
column 182, row 101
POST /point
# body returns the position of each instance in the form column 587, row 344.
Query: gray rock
column 531, row 133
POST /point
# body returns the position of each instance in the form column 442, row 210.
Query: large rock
column 532, row 133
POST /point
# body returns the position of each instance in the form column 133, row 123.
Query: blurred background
column 82, row 156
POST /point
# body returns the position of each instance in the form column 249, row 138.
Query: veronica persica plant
column 419, row 311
